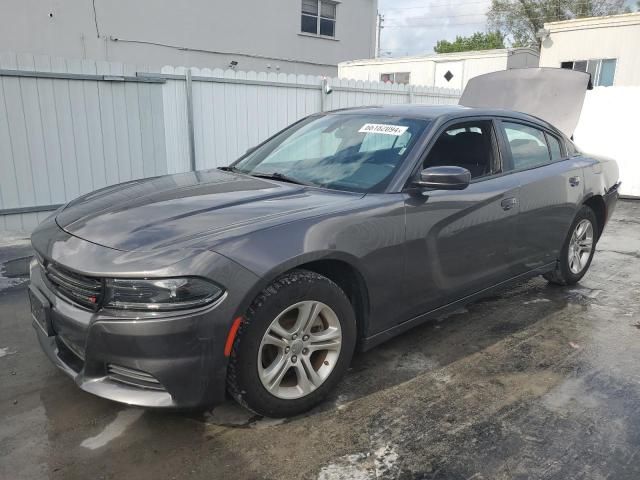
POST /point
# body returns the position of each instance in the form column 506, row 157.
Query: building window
column 602, row 70
column 319, row 17
column 396, row 77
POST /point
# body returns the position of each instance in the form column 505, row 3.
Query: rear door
column 551, row 187
column 458, row 242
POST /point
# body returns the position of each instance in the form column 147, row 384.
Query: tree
column 522, row 19
column 477, row 41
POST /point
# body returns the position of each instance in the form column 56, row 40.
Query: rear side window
column 554, row 147
column 528, row 146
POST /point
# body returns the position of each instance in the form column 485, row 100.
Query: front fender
column 266, row 278
column 370, row 239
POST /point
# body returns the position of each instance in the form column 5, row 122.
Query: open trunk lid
column 552, row 94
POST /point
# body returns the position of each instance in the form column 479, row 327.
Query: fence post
column 323, row 94
column 410, row 92
column 190, row 131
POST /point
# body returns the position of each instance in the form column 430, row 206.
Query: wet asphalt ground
column 537, row 382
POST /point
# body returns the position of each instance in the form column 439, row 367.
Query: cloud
column 413, row 27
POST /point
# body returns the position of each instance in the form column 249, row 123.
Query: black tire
column 563, row 275
column 243, row 381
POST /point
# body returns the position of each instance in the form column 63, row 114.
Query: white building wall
column 430, row 69
column 616, row 37
column 479, row 66
column 260, row 35
column 608, row 126
column 370, row 70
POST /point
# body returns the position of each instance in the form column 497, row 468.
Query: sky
column 412, row 27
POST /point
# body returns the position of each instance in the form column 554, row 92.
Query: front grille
column 130, row 376
column 83, row 290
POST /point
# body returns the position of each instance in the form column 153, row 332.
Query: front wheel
column 294, row 345
column 577, row 251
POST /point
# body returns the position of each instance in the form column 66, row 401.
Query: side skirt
column 370, row 342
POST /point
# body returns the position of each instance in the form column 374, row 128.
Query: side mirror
column 444, row 178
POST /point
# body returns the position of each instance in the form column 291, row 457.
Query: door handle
column 574, row 181
column 509, row 203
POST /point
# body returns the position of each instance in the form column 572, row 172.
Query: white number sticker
column 395, row 130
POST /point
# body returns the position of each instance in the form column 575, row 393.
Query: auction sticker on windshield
column 395, row 130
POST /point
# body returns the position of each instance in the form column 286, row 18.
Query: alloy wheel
column 299, row 350
column 580, row 246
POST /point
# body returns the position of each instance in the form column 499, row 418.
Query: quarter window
column 527, row 144
column 318, row 17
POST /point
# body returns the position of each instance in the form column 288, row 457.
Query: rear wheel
column 578, row 249
column 294, row 345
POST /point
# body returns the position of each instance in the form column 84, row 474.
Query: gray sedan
column 347, row 228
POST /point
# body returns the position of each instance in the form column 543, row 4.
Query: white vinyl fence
column 233, row 111
column 68, row 127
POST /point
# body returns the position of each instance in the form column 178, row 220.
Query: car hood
column 552, row 94
column 167, row 211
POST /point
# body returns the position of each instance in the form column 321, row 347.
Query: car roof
column 433, row 112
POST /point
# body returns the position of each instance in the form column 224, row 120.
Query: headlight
column 160, row 294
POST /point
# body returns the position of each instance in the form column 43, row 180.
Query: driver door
column 459, row 241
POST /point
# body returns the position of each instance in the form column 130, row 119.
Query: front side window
column 319, row 17
column 602, row 70
column 469, row 145
column 352, row 152
column 528, row 146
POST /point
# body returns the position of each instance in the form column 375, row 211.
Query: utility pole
column 379, row 33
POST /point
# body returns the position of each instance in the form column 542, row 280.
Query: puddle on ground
column 14, row 272
column 18, row 267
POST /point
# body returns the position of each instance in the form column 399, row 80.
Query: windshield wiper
column 271, row 176
column 281, row 177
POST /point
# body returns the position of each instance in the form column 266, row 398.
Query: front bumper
column 168, row 359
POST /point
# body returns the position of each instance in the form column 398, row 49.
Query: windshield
column 352, row 152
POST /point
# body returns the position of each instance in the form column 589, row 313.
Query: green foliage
column 522, row 19
column 477, row 41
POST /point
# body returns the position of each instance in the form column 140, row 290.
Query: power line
column 546, row 18
column 95, row 18
column 439, row 24
column 456, row 15
column 453, row 15
column 569, row 16
column 474, row 2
